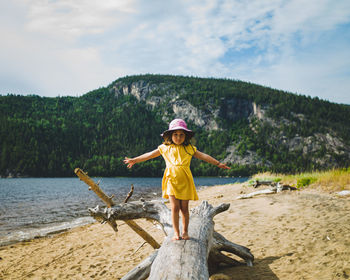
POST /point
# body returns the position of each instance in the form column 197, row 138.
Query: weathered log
column 222, row 244
column 109, row 202
column 343, row 193
column 267, row 183
column 93, row 186
column 142, row 270
column 188, row 259
column 183, row 259
column 153, row 210
column 250, row 195
column 274, row 189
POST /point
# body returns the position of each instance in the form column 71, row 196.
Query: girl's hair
column 168, row 141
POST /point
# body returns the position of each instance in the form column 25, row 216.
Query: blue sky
column 66, row 47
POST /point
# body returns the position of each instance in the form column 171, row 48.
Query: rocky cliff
column 322, row 149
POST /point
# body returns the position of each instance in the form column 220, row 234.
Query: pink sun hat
column 178, row 124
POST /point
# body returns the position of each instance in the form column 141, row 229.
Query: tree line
column 49, row 137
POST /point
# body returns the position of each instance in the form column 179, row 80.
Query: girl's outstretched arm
column 210, row 159
column 131, row 161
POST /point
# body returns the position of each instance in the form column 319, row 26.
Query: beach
column 303, row 234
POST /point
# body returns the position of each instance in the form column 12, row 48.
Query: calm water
column 34, row 207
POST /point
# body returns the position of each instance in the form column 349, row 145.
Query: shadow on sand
column 260, row 271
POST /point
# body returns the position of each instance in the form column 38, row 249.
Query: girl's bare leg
column 185, row 218
column 175, row 208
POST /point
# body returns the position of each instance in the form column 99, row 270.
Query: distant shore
column 293, row 235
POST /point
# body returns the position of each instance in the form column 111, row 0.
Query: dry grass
column 331, row 180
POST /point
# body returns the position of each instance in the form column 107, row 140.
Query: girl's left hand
column 129, row 161
column 223, row 166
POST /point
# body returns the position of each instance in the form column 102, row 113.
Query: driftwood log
column 258, row 183
column 275, row 188
column 183, row 259
column 109, row 202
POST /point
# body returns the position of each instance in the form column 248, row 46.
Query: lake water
column 35, row 207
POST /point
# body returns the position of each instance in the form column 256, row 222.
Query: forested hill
column 250, row 127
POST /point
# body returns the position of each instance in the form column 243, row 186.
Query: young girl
column 177, row 184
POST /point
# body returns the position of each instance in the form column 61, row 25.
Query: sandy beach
column 292, row 235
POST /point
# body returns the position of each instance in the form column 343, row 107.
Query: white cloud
column 69, row 47
column 75, row 18
column 316, row 73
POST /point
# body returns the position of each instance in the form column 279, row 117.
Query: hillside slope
column 253, row 128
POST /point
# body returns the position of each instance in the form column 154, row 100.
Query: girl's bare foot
column 185, row 236
column 175, row 238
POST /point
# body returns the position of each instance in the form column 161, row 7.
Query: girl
column 177, row 184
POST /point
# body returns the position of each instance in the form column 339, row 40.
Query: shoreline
column 293, row 235
column 42, row 232
column 49, row 225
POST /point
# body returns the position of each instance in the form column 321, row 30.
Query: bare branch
column 129, row 194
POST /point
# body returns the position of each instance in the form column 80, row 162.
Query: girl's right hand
column 129, row 161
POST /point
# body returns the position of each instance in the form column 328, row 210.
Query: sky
column 70, row 47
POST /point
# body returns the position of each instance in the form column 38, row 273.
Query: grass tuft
column 331, row 180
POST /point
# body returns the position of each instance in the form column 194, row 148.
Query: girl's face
column 178, row 137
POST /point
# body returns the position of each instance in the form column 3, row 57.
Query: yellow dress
column 178, row 179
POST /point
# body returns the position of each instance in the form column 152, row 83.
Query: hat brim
column 188, row 131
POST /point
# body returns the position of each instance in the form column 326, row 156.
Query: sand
column 293, row 235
